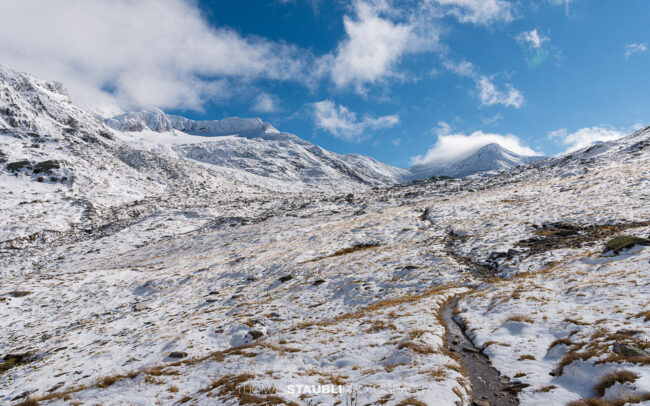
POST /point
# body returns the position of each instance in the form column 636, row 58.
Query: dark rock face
column 18, row 166
column 177, row 354
column 46, row 166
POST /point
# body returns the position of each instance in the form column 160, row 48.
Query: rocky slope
column 197, row 296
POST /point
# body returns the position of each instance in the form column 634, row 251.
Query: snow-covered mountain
column 254, row 152
column 488, row 160
column 139, row 261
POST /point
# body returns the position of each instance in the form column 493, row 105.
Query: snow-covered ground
column 164, row 280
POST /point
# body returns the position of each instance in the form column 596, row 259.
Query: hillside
column 169, row 276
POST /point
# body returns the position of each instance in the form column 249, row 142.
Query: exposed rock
column 18, row 166
column 628, row 350
column 255, row 334
column 138, row 307
column 19, row 293
column 285, row 278
column 177, row 354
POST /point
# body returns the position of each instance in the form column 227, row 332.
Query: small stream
column 488, row 386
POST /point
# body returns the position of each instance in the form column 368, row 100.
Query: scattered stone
column 624, row 242
column 318, row 282
column 255, row 334
column 46, row 166
column 56, row 387
column 24, row 394
column 19, row 293
column 516, row 387
column 285, row 278
column 480, row 403
column 212, row 299
column 18, row 166
column 213, row 292
column 177, row 354
column 471, row 350
column 138, row 307
column 630, row 351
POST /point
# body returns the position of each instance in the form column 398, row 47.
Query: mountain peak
column 487, row 160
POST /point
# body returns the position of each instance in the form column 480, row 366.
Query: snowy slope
column 255, row 152
column 487, row 160
column 58, row 163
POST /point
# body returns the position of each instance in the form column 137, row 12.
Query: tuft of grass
column 345, row 251
column 28, row 402
column 521, row 318
column 411, row 402
column 546, row 389
column 610, row 380
column 416, row 347
column 527, row 357
column 559, row 341
column 173, row 389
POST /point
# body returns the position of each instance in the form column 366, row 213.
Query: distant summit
column 488, row 160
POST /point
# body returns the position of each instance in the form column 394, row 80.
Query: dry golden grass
column 521, row 318
column 613, row 378
column 546, row 389
column 559, row 341
column 344, row 251
column 527, row 357
column 416, row 347
column 411, row 402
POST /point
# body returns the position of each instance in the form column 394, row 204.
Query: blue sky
column 404, row 81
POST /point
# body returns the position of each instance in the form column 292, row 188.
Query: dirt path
column 488, row 386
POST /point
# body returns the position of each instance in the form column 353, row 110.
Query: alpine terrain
column 152, row 259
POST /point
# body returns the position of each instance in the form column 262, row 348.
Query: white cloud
column 339, row 121
column 482, row 12
column 565, row 3
column 372, row 47
column 532, row 39
column 585, row 137
column 396, row 142
column 265, row 103
column 631, row 49
column 491, row 95
column 451, row 147
column 147, row 52
column 464, row 68
column 488, row 92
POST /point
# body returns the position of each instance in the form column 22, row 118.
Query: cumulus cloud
column 265, row 103
column 481, row 12
column 491, row 95
column 488, row 92
column 380, row 33
column 146, row 53
column 536, row 46
column 372, row 47
column 451, row 147
column 339, row 121
column 532, row 39
column 584, row 137
column 634, row 48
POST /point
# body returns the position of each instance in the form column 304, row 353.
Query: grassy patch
column 521, row 318
column 610, row 380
